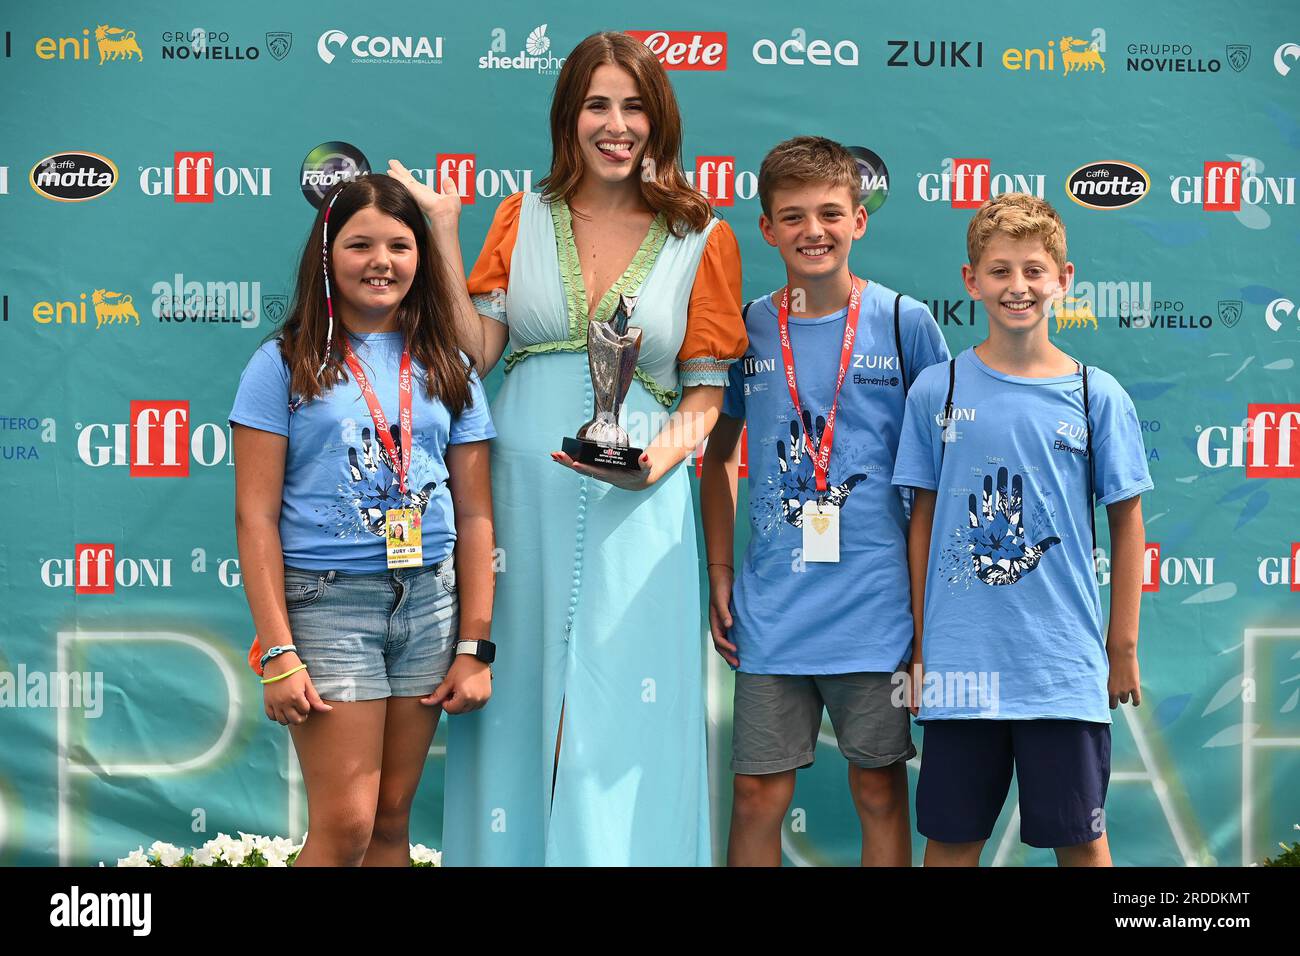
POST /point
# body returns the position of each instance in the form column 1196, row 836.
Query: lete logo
column 1291, row 50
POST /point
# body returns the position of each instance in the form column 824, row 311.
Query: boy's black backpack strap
column 744, row 313
column 898, row 343
column 947, row 408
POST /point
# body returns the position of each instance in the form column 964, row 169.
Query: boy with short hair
column 819, row 616
column 1007, row 446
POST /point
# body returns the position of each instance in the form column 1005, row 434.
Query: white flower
column 166, row 853
column 203, row 857
column 135, row 858
column 422, row 854
column 234, row 853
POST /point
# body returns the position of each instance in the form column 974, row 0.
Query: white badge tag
column 821, row 532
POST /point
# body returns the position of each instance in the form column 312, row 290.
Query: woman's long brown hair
column 668, row 190
column 426, row 324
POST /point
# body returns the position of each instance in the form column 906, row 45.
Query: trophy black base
column 604, row 456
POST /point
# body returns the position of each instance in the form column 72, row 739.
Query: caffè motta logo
column 111, row 43
column 74, row 176
column 1109, row 184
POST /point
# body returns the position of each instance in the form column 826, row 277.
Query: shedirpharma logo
column 372, row 49
column 535, row 55
column 1110, row 184
column 73, row 176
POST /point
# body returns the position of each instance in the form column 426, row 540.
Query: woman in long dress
column 593, row 751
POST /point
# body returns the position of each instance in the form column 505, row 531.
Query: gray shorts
column 777, row 717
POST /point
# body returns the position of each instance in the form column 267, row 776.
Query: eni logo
column 114, row 44
column 113, row 308
column 1076, row 55
column 1074, row 313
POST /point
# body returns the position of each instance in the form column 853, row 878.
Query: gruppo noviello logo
column 1068, row 54
column 111, row 43
column 74, row 176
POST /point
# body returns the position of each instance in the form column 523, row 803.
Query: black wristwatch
column 484, row 651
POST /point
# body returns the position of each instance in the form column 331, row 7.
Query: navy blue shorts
column 1062, row 768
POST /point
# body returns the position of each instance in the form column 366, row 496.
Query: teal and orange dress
column 597, row 612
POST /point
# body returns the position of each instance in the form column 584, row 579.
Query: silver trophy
column 612, row 350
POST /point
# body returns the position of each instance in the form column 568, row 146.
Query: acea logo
column 685, row 49
column 1275, row 570
column 108, row 308
column 372, row 49
column 470, row 181
column 1264, row 444
column 1108, row 184
column 96, row 569
column 1070, row 54
column 798, row 50
column 73, row 176
column 1173, row 571
column 535, row 55
column 157, row 441
column 1285, row 57
column 195, row 177
column 968, row 183
column 111, row 43
column 330, row 163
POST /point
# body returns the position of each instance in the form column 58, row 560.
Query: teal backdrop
column 129, row 715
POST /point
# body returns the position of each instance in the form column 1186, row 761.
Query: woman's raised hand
column 442, row 207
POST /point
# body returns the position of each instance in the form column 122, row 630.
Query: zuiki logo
column 968, row 183
column 1264, row 444
column 1109, row 184
column 156, row 442
column 535, row 56
column 470, row 181
column 875, row 178
column 1070, row 437
column 1275, row 570
column 798, row 50
column 107, row 306
column 1228, row 186
column 1182, row 58
column 953, row 311
column 279, row 44
column 201, row 44
column 96, row 569
column 73, row 176
column 111, row 43
column 195, row 178
column 878, row 364
column 1173, row 571
column 941, row 53
column 1072, row 54
column 372, row 49
column 1285, row 56
column 685, row 49
column 328, row 164
column 180, row 303
column 1277, row 310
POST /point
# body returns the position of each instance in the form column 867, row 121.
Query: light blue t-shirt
column 793, row 617
column 338, row 483
column 1013, row 620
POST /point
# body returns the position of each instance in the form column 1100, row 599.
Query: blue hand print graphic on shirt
column 997, row 543
column 798, row 481
column 373, row 495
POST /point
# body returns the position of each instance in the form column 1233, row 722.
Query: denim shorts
column 372, row 636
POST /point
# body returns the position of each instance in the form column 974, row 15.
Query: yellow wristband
column 272, row 680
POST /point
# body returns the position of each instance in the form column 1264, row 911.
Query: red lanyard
column 400, row 463
column 821, row 457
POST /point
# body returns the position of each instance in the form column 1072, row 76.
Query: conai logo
column 156, row 443
column 1265, row 437
column 395, row 49
column 1174, row 571
column 799, row 50
column 968, row 183
column 94, row 570
column 1274, row 570
column 462, row 170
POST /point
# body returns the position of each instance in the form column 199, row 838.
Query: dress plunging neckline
column 575, row 287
